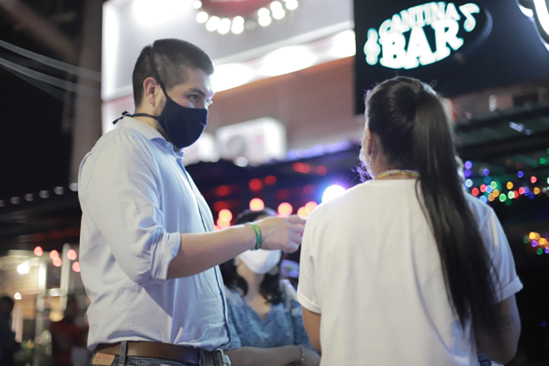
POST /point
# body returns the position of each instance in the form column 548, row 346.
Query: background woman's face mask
column 261, row 261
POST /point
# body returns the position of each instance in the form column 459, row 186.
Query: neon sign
column 425, row 34
column 538, row 11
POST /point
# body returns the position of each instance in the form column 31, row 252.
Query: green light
column 526, row 240
column 547, row 180
column 540, row 251
column 493, row 185
column 511, row 195
column 542, row 161
column 502, row 197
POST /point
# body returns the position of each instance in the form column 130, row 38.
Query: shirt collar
column 142, row 127
column 149, row 132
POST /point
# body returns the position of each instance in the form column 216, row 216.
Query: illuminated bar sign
column 462, row 46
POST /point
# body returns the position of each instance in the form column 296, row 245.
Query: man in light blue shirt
column 149, row 255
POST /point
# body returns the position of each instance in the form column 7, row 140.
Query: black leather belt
column 167, row 351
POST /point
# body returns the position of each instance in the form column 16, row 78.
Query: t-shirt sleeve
column 300, row 335
column 502, row 258
column 306, row 291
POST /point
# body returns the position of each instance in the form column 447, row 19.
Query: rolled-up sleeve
column 124, row 203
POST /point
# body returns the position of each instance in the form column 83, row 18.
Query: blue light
column 543, row 323
column 520, row 174
column 332, row 192
column 489, row 189
column 486, row 172
column 467, row 173
column 487, row 180
column 526, row 190
column 469, row 183
column 483, row 199
column 468, row 165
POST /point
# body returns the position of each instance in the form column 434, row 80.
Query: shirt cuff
column 306, row 303
column 170, row 248
column 510, row 289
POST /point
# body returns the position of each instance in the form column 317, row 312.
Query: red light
column 76, row 267
column 285, row 209
column 54, row 254
column 475, row 192
column 518, row 165
column 71, row 254
column 483, row 188
column 57, row 262
column 309, row 189
column 516, row 194
column 257, row 204
column 270, row 180
column 255, row 185
column 302, row 168
column 223, row 190
column 321, row 170
column 218, row 206
column 533, row 179
column 521, row 190
column 283, row 194
column 226, row 215
column 38, row 251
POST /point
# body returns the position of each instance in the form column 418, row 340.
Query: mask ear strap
column 155, row 72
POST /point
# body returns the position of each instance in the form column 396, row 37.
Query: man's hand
column 310, row 358
column 283, row 233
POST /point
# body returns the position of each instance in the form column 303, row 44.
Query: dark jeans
column 144, row 361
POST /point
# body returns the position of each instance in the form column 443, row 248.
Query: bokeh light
column 255, row 184
column 54, row 254
column 76, row 267
column 475, row 192
column 257, row 204
column 38, row 251
column 57, row 262
column 72, row 255
column 270, row 180
column 285, row 209
column 321, row 170
column 533, row 179
column 520, row 174
column 226, row 215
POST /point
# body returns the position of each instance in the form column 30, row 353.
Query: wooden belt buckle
column 220, row 358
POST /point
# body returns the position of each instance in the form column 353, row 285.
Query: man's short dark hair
column 172, row 59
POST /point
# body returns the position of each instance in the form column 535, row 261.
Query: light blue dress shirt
column 136, row 200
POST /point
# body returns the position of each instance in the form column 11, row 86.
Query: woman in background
column 264, row 317
column 424, row 272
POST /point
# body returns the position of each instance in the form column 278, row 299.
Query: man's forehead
column 198, row 81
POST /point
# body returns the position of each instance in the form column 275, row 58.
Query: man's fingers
column 294, row 219
column 291, row 247
column 298, row 229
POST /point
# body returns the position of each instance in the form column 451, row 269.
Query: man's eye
column 194, row 98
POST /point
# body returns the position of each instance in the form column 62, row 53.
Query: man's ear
column 150, row 92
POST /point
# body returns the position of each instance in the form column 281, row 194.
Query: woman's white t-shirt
column 370, row 266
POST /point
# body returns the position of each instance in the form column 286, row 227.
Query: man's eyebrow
column 198, row 91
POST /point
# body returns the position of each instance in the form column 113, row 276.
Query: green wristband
column 258, row 236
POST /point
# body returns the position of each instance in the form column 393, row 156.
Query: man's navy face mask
column 182, row 125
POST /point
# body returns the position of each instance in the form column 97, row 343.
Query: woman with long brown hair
column 407, row 269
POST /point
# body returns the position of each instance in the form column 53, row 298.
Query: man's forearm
column 199, row 252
